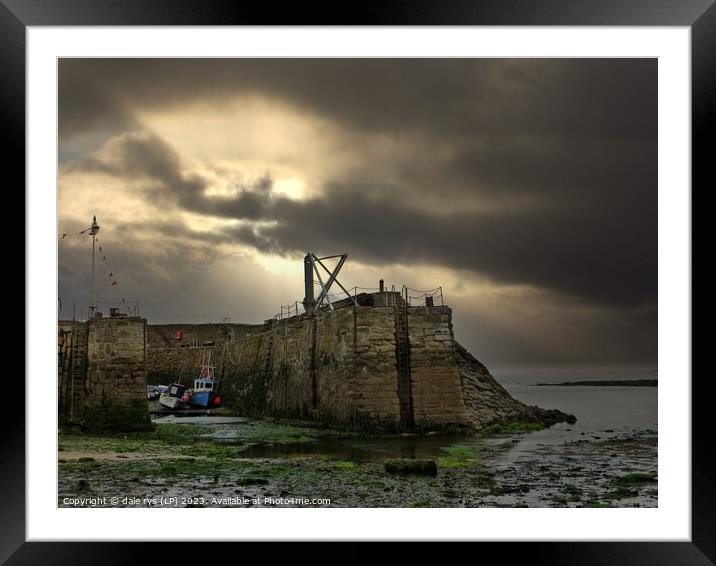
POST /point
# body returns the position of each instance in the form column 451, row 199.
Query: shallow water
column 365, row 450
column 200, row 420
column 602, row 413
column 596, row 408
column 615, row 434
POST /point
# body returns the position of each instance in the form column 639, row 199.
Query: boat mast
column 93, row 231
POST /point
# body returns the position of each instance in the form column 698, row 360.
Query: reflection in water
column 602, row 413
column 371, row 450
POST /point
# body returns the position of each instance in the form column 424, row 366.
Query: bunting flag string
column 65, row 234
column 105, row 263
column 102, row 252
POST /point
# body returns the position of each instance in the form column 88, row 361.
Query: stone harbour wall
column 352, row 366
column 372, row 373
column 335, row 367
column 170, row 359
column 164, row 335
column 435, row 377
column 116, row 375
column 102, row 374
column 340, row 367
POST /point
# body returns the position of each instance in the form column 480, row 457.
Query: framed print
column 424, row 275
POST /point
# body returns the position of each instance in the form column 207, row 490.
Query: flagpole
column 94, row 229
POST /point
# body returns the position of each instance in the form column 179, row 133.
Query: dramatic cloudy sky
column 526, row 188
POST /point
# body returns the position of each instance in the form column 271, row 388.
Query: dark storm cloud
column 603, row 255
column 460, row 97
column 571, row 254
column 535, row 171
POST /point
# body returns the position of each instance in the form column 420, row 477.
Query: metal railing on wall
column 412, row 297
column 418, row 297
column 288, row 311
column 117, row 308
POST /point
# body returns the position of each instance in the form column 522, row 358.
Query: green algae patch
column 171, row 440
column 464, row 451
column 635, row 478
column 129, row 416
column 209, row 449
column 454, row 463
column 272, row 432
column 461, row 456
column 163, row 438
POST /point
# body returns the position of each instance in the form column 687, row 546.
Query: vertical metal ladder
column 402, row 355
column 78, row 373
column 314, row 364
column 266, row 369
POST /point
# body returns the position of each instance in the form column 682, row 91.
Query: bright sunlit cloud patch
column 293, row 188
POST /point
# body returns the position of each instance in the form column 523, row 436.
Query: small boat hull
column 172, row 398
column 170, row 402
column 205, row 398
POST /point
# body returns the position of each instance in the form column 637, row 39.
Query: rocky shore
column 211, row 464
column 488, row 403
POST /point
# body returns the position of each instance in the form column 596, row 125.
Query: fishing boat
column 173, row 398
column 155, row 391
column 205, row 391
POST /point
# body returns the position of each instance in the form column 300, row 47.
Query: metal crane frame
column 311, row 263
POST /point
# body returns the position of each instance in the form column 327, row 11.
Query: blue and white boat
column 205, row 391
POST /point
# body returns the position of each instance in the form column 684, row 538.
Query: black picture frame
column 699, row 15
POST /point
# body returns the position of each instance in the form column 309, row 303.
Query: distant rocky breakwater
column 606, row 383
